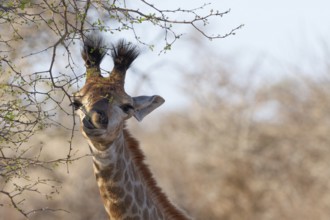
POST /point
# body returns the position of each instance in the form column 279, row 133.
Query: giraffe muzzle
column 95, row 120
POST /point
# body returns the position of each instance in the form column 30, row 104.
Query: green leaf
column 24, row 3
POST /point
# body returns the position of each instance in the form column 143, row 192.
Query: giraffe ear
column 143, row 105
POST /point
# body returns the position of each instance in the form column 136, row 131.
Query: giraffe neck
column 126, row 185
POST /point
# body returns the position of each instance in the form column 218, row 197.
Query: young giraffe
column 126, row 184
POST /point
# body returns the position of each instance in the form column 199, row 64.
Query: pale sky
column 284, row 29
column 289, row 32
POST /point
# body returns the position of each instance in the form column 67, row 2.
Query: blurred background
column 244, row 131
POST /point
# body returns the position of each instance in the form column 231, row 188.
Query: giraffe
column 126, row 184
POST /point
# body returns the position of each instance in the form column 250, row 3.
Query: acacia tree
column 40, row 68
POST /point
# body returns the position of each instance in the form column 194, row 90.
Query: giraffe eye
column 126, row 108
column 76, row 104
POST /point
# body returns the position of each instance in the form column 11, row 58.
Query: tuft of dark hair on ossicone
column 123, row 55
column 93, row 50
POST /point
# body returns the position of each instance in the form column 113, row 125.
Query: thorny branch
column 40, row 68
column 161, row 18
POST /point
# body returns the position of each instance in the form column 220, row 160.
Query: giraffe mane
column 155, row 191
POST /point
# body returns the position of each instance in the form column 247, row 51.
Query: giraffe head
column 102, row 104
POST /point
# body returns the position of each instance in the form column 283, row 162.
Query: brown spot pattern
column 126, row 176
column 154, row 214
column 148, row 202
column 117, row 210
column 132, row 218
column 129, row 186
column 139, row 195
column 134, row 208
column 128, row 200
column 146, row 214
column 115, row 192
column 105, row 173
column 120, row 168
column 126, row 155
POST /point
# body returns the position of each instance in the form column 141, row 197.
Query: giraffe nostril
column 87, row 123
column 99, row 119
column 95, row 119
